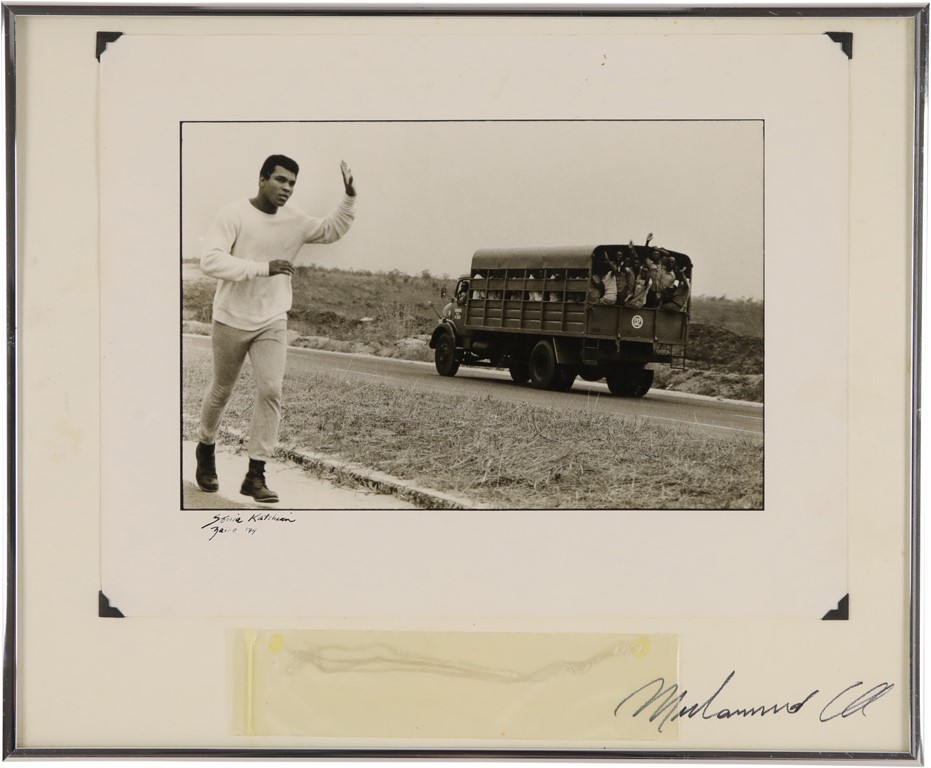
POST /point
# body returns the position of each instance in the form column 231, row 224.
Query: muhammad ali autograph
column 664, row 704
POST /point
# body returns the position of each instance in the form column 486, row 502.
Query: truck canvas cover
column 562, row 257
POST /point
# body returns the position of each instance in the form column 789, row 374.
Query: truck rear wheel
column 543, row 365
column 444, row 358
column 546, row 373
column 520, row 372
column 629, row 382
column 564, row 379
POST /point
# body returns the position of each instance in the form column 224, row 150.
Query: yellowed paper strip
column 448, row 685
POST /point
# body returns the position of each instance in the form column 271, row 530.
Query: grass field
column 743, row 317
column 507, row 455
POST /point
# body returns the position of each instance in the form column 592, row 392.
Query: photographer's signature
column 247, row 525
column 664, row 704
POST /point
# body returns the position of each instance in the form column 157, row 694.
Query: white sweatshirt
column 238, row 247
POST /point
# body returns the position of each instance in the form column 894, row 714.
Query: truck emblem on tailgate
column 636, row 321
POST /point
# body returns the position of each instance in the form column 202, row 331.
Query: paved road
column 701, row 413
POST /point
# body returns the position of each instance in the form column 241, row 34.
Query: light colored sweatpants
column 267, row 350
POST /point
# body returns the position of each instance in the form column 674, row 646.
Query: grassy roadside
column 388, row 314
column 507, row 455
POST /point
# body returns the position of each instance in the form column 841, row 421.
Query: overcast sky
column 432, row 193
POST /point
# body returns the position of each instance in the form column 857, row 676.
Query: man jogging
column 250, row 249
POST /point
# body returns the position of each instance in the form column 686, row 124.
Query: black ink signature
column 222, row 524
column 262, row 517
column 669, row 703
column 853, row 705
column 230, row 523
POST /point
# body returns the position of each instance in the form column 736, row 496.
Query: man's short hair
column 274, row 160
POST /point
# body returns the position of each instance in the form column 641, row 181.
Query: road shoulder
column 296, row 487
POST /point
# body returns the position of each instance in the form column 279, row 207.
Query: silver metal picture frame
column 388, row 543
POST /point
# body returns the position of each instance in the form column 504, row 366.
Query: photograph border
column 465, row 256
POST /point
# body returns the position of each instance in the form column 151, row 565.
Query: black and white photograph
column 513, row 314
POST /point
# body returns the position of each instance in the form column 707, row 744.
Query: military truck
column 533, row 311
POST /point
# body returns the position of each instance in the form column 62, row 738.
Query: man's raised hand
column 280, row 267
column 347, row 178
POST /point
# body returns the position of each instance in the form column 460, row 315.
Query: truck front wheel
column 445, row 356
